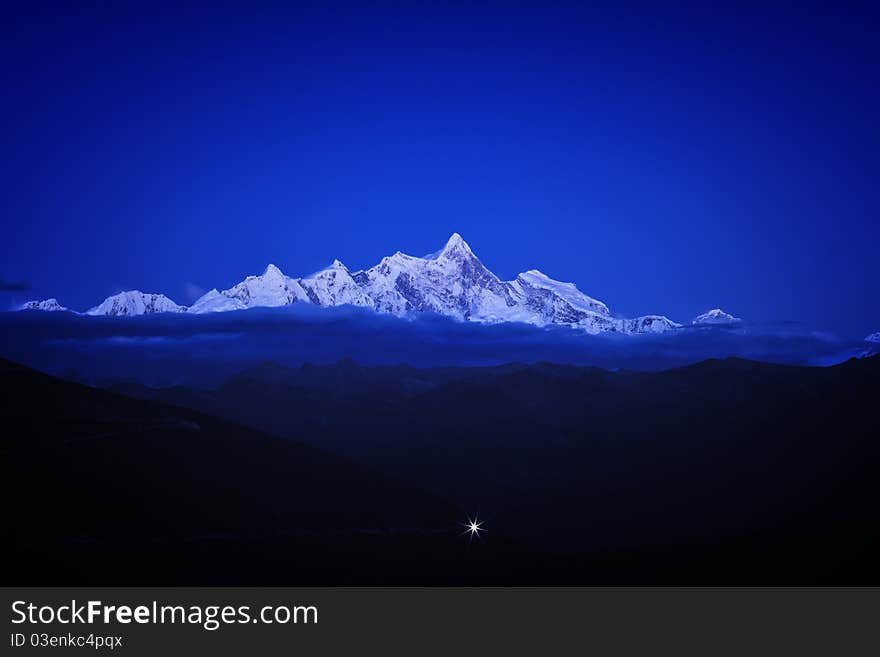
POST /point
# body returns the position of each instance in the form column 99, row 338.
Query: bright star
column 473, row 527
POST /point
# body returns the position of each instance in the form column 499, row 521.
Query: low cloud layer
column 204, row 349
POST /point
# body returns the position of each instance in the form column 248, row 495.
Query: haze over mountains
column 451, row 282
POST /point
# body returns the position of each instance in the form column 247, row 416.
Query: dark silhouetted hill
column 769, row 468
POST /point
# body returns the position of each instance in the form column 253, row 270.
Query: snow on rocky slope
column 335, row 286
column 271, row 288
column 135, row 302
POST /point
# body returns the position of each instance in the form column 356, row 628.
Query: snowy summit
column 48, row 305
column 715, row 316
column 135, row 302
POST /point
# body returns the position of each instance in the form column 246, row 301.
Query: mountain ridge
column 452, row 282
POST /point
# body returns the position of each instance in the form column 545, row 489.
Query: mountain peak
column 214, row 301
column 50, row 305
column 272, row 270
column 455, row 245
column 135, row 302
column 574, row 298
column 715, row 316
column 536, row 273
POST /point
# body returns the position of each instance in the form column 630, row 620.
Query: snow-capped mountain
column 216, row 302
column 715, row 316
column 271, row 288
column 48, row 305
column 335, row 286
column 649, row 324
column 546, row 301
column 135, row 302
column 874, row 337
column 451, row 282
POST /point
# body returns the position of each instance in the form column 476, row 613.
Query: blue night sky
column 665, row 161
